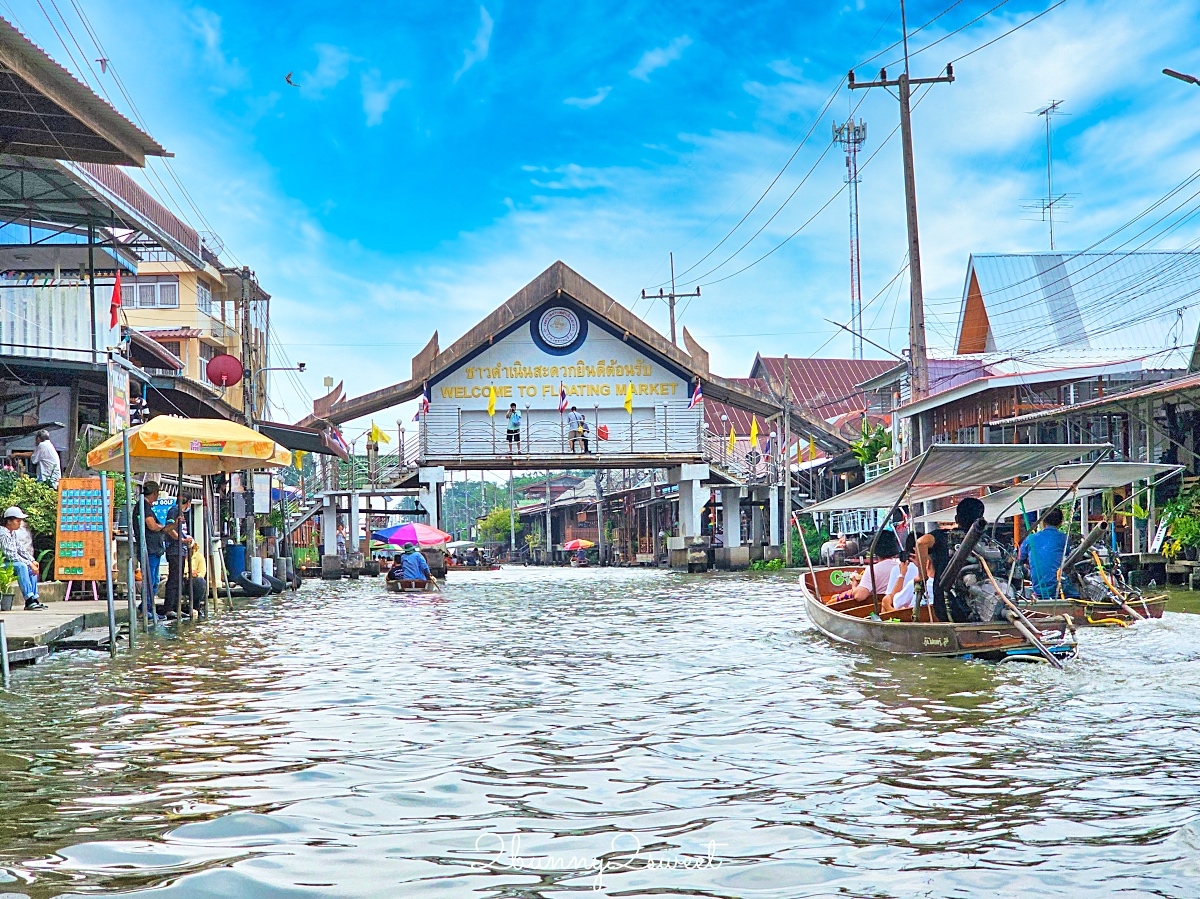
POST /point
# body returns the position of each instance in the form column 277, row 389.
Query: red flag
column 114, row 306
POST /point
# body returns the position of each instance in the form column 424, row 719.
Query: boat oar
column 1018, row 620
column 1116, row 594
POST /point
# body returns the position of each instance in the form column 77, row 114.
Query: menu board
column 79, row 549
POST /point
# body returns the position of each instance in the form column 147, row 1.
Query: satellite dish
column 224, row 370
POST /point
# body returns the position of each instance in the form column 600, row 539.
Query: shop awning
column 1049, row 489
column 946, row 469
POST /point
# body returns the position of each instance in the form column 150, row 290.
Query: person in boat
column 413, row 566
column 885, row 563
column 902, row 588
column 933, row 551
column 396, row 572
column 1044, row 551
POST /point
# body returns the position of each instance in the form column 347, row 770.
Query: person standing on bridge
column 514, row 428
column 577, row 429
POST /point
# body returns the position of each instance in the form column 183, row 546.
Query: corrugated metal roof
column 1162, row 388
column 1088, row 305
column 826, row 387
column 946, row 469
column 171, row 333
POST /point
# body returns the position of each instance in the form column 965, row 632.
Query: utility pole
column 916, row 317
column 512, row 526
column 248, row 405
column 787, row 464
column 852, row 136
column 549, row 541
column 670, row 297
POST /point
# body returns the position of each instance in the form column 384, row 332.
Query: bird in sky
column 289, row 80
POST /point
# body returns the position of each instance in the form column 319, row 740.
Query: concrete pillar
column 354, row 524
column 775, row 498
column 756, row 518
column 731, row 512
column 329, row 525
column 430, row 495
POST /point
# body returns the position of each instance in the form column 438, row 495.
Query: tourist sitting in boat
column 1044, row 550
column 410, row 565
column 901, row 591
column 885, row 563
column 836, row 552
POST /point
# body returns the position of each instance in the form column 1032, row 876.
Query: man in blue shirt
column 413, row 566
column 1044, row 551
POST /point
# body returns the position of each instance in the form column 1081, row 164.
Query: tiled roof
column 171, row 333
column 826, row 387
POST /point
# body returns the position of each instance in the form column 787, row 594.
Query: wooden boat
column 470, row 568
column 849, row 622
column 410, row 586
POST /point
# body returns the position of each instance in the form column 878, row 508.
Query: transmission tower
column 852, row 136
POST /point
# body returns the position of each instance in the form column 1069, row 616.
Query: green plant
column 1186, row 529
column 761, row 565
column 872, row 444
column 37, row 500
column 495, row 527
column 808, row 536
column 8, row 580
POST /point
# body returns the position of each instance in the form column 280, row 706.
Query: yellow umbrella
column 203, row 445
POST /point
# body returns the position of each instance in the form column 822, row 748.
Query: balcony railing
column 872, row 470
column 450, row 432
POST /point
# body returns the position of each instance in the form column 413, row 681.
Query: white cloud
column 377, row 95
column 207, row 26
column 333, row 65
column 660, row 57
column 478, row 50
column 588, row 102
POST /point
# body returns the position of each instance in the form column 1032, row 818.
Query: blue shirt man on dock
column 1044, row 551
column 413, row 566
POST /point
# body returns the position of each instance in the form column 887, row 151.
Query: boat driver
column 1044, row 550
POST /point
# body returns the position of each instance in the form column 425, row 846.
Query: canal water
column 620, row 732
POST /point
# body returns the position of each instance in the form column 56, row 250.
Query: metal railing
column 872, row 470
column 452, row 432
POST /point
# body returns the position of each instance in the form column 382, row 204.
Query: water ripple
column 633, row 733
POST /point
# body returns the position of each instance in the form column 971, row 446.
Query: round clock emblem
column 558, row 327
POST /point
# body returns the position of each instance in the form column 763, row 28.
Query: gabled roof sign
column 46, row 112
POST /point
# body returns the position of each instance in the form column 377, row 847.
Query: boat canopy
column 1044, row 491
column 949, row 468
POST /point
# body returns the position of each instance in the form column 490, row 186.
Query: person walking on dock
column 513, row 434
column 177, row 544
column 154, row 536
column 21, row 560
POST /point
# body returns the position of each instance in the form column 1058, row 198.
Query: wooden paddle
column 1017, row 618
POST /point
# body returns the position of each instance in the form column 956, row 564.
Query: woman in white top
column 886, row 550
column 901, row 592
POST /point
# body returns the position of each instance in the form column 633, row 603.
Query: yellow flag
column 629, row 399
column 377, row 434
column 298, row 460
column 732, row 440
column 754, row 431
column 812, row 449
column 492, row 400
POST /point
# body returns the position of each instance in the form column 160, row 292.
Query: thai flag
column 696, row 397
column 339, row 439
column 423, row 406
column 562, row 398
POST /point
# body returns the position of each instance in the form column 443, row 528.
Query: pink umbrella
column 411, row 532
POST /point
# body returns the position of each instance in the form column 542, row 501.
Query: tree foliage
column 494, row 528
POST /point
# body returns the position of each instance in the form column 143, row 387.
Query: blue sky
column 437, row 156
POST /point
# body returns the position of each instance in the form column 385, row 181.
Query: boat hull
column 992, row 641
column 411, row 587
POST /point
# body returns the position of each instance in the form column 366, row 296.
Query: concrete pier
column 30, row 634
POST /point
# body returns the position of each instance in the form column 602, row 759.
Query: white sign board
column 560, row 350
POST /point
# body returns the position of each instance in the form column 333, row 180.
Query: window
column 204, row 297
column 160, row 292
column 206, row 353
column 171, row 346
